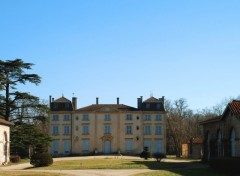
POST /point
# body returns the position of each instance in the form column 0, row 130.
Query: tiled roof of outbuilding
column 118, row 107
column 5, row 122
column 234, row 107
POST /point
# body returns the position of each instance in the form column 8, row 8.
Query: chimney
column 139, row 101
column 50, row 100
column 96, row 100
column 117, row 100
column 74, row 103
column 163, row 100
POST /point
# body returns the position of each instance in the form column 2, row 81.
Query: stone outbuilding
column 222, row 133
column 193, row 148
column 4, row 141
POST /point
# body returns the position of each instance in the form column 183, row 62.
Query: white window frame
column 129, row 129
column 85, row 129
column 158, row 129
column 129, row 144
column 158, row 117
column 107, row 129
column 147, row 129
column 85, row 145
column 85, row 117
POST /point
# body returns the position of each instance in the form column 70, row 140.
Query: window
column 158, row 117
column 147, row 117
column 66, row 105
column 129, row 144
column 85, row 117
column 128, row 129
column 158, row 130
column 85, row 145
column 148, row 106
column 147, row 129
column 147, row 143
column 85, row 129
column 66, row 146
column 129, row 117
column 107, row 117
column 55, row 146
column 158, row 146
column 66, row 130
column 158, row 106
column 66, row 117
column 55, row 106
column 55, row 130
column 107, row 129
column 55, row 117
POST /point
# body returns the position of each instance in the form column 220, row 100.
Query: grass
column 183, row 172
column 162, row 168
column 112, row 163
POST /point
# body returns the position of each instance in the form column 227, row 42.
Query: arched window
column 5, row 147
column 207, row 146
column 233, row 143
column 219, row 143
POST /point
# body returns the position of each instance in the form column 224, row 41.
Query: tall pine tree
column 25, row 110
column 13, row 74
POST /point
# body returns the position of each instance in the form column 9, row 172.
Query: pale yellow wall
column 61, row 123
column 117, row 124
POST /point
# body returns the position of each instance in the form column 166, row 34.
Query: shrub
column 227, row 165
column 159, row 156
column 145, row 154
column 15, row 158
column 41, row 159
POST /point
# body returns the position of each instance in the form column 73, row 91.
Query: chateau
column 107, row 128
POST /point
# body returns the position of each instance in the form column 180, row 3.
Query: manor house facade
column 107, row 128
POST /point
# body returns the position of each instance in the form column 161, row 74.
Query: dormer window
column 66, row 105
column 147, row 106
column 158, row 106
column 55, row 106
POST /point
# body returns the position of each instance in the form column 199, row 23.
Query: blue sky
column 126, row 48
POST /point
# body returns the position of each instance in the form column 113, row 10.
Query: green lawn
column 111, row 163
column 162, row 168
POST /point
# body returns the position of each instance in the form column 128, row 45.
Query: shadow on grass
column 180, row 168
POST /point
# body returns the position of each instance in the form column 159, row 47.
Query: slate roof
column 118, row 107
column 62, row 100
column 151, row 100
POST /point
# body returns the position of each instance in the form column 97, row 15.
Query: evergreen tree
column 12, row 74
column 25, row 110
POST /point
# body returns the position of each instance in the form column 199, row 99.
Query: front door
column 107, row 147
